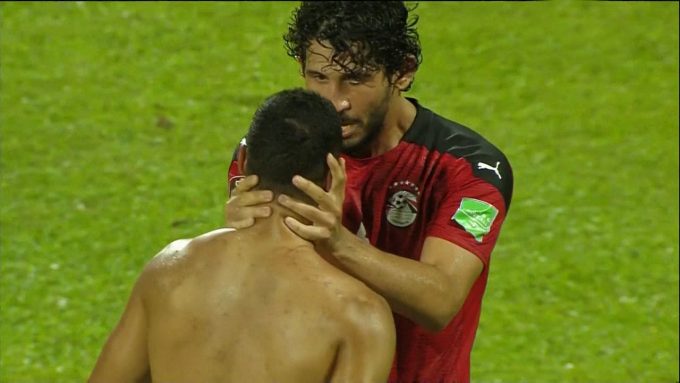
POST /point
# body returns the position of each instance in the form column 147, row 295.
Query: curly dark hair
column 367, row 35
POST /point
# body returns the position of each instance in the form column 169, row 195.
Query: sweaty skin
column 257, row 305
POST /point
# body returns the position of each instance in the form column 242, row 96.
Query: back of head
column 291, row 134
column 371, row 35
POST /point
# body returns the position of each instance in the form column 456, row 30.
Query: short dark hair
column 372, row 35
column 291, row 133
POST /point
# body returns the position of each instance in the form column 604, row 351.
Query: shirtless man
column 258, row 304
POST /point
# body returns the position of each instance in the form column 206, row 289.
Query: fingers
column 242, row 224
column 246, row 183
column 256, row 197
column 331, row 200
column 315, row 192
column 256, row 211
column 336, row 167
column 241, row 209
column 310, row 233
column 244, row 196
column 338, row 175
column 242, row 217
column 312, row 213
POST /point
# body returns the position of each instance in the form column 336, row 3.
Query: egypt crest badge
column 401, row 207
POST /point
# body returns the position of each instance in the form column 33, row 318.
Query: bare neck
column 272, row 230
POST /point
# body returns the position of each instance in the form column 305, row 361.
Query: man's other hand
column 242, row 207
column 327, row 217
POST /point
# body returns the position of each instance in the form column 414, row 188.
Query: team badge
column 476, row 217
column 402, row 205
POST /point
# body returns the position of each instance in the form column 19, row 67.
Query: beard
column 360, row 146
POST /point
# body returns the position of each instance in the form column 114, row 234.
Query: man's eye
column 354, row 81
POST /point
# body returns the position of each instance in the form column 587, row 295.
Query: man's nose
column 340, row 100
column 341, row 104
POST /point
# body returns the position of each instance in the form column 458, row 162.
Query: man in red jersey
column 425, row 197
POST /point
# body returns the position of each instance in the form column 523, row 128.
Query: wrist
column 343, row 243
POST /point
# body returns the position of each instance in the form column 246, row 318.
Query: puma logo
column 482, row 165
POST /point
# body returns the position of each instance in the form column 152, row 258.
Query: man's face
column 361, row 98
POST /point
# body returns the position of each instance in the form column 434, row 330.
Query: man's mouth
column 348, row 129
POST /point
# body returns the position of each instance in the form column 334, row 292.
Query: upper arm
column 461, row 237
column 367, row 350
column 468, row 217
column 124, row 357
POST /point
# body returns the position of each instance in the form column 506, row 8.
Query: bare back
column 230, row 307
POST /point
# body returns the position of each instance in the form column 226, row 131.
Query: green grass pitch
column 118, row 120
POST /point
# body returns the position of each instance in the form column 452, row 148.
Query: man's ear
column 242, row 159
column 404, row 78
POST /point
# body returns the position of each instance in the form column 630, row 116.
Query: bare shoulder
column 168, row 256
column 368, row 341
column 173, row 249
column 178, row 250
column 365, row 311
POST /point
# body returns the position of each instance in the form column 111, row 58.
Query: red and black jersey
column 442, row 180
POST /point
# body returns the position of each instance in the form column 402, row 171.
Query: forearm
column 416, row 290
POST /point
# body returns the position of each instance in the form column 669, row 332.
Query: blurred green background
column 118, row 121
